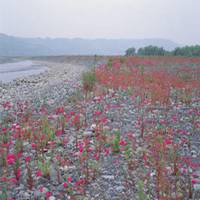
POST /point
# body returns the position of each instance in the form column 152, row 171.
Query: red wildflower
column 72, row 113
column 69, row 179
column 89, row 149
column 107, row 151
column 38, row 173
column 59, row 132
column 48, row 194
column 104, row 120
column 81, row 181
column 123, row 143
column 19, row 155
column 33, row 145
column 52, row 142
column 65, row 185
column 4, row 130
column 97, row 113
column 18, row 173
column 28, row 158
column 81, row 149
column 5, row 144
column 10, row 159
column 60, row 110
column 167, row 141
column 194, row 181
column 96, row 156
column 13, row 180
column 3, row 179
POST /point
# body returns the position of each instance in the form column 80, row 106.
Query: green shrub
column 141, row 192
column 115, row 142
column 88, row 81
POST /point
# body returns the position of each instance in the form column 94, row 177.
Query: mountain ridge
column 38, row 46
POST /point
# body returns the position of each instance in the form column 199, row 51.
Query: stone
column 108, row 177
column 37, row 194
column 93, row 127
column 88, row 133
column 120, row 188
column 52, row 198
column 53, row 174
column 196, row 187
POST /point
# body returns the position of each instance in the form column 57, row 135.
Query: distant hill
column 18, row 46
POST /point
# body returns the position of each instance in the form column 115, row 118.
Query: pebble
column 38, row 194
column 88, row 133
column 108, row 177
column 52, row 198
column 109, row 183
column 120, row 188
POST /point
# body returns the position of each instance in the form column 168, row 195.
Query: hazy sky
column 178, row 20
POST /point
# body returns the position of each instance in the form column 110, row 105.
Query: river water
column 11, row 71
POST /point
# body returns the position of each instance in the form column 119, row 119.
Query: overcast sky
column 178, row 20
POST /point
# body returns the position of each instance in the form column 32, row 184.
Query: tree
column 130, row 52
column 151, row 51
column 187, row 51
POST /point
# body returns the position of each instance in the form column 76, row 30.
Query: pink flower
column 167, row 141
column 195, row 175
column 11, row 156
column 33, row 145
column 41, row 189
column 13, row 180
column 184, row 170
column 81, row 149
column 48, row 194
column 194, row 181
column 60, row 110
column 107, row 151
column 3, row 179
column 130, row 136
column 52, row 142
column 65, row 185
column 183, row 132
column 89, row 149
column 123, row 143
column 18, row 173
column 96, row 156
column 97, row 113
column 59, row 132
column 81, row 181
column 76, row 118
column 104, row 120
column 69, row 179
column 72, row 113
column 184, row 140
column 10, row 159
column 4, row 130
column 38, row 173
column 19, row 155
column 5, row 144
column 11, row 142
column 28, row 158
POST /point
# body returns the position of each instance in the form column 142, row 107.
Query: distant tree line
column 160, row 51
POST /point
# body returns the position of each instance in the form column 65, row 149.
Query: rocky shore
column 51, row 86
column 54, row 84
column 93, row 149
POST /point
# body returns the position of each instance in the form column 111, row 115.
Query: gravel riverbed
column 50, row 87
column 111, row 177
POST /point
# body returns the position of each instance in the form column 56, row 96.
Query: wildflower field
column 130, row 131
